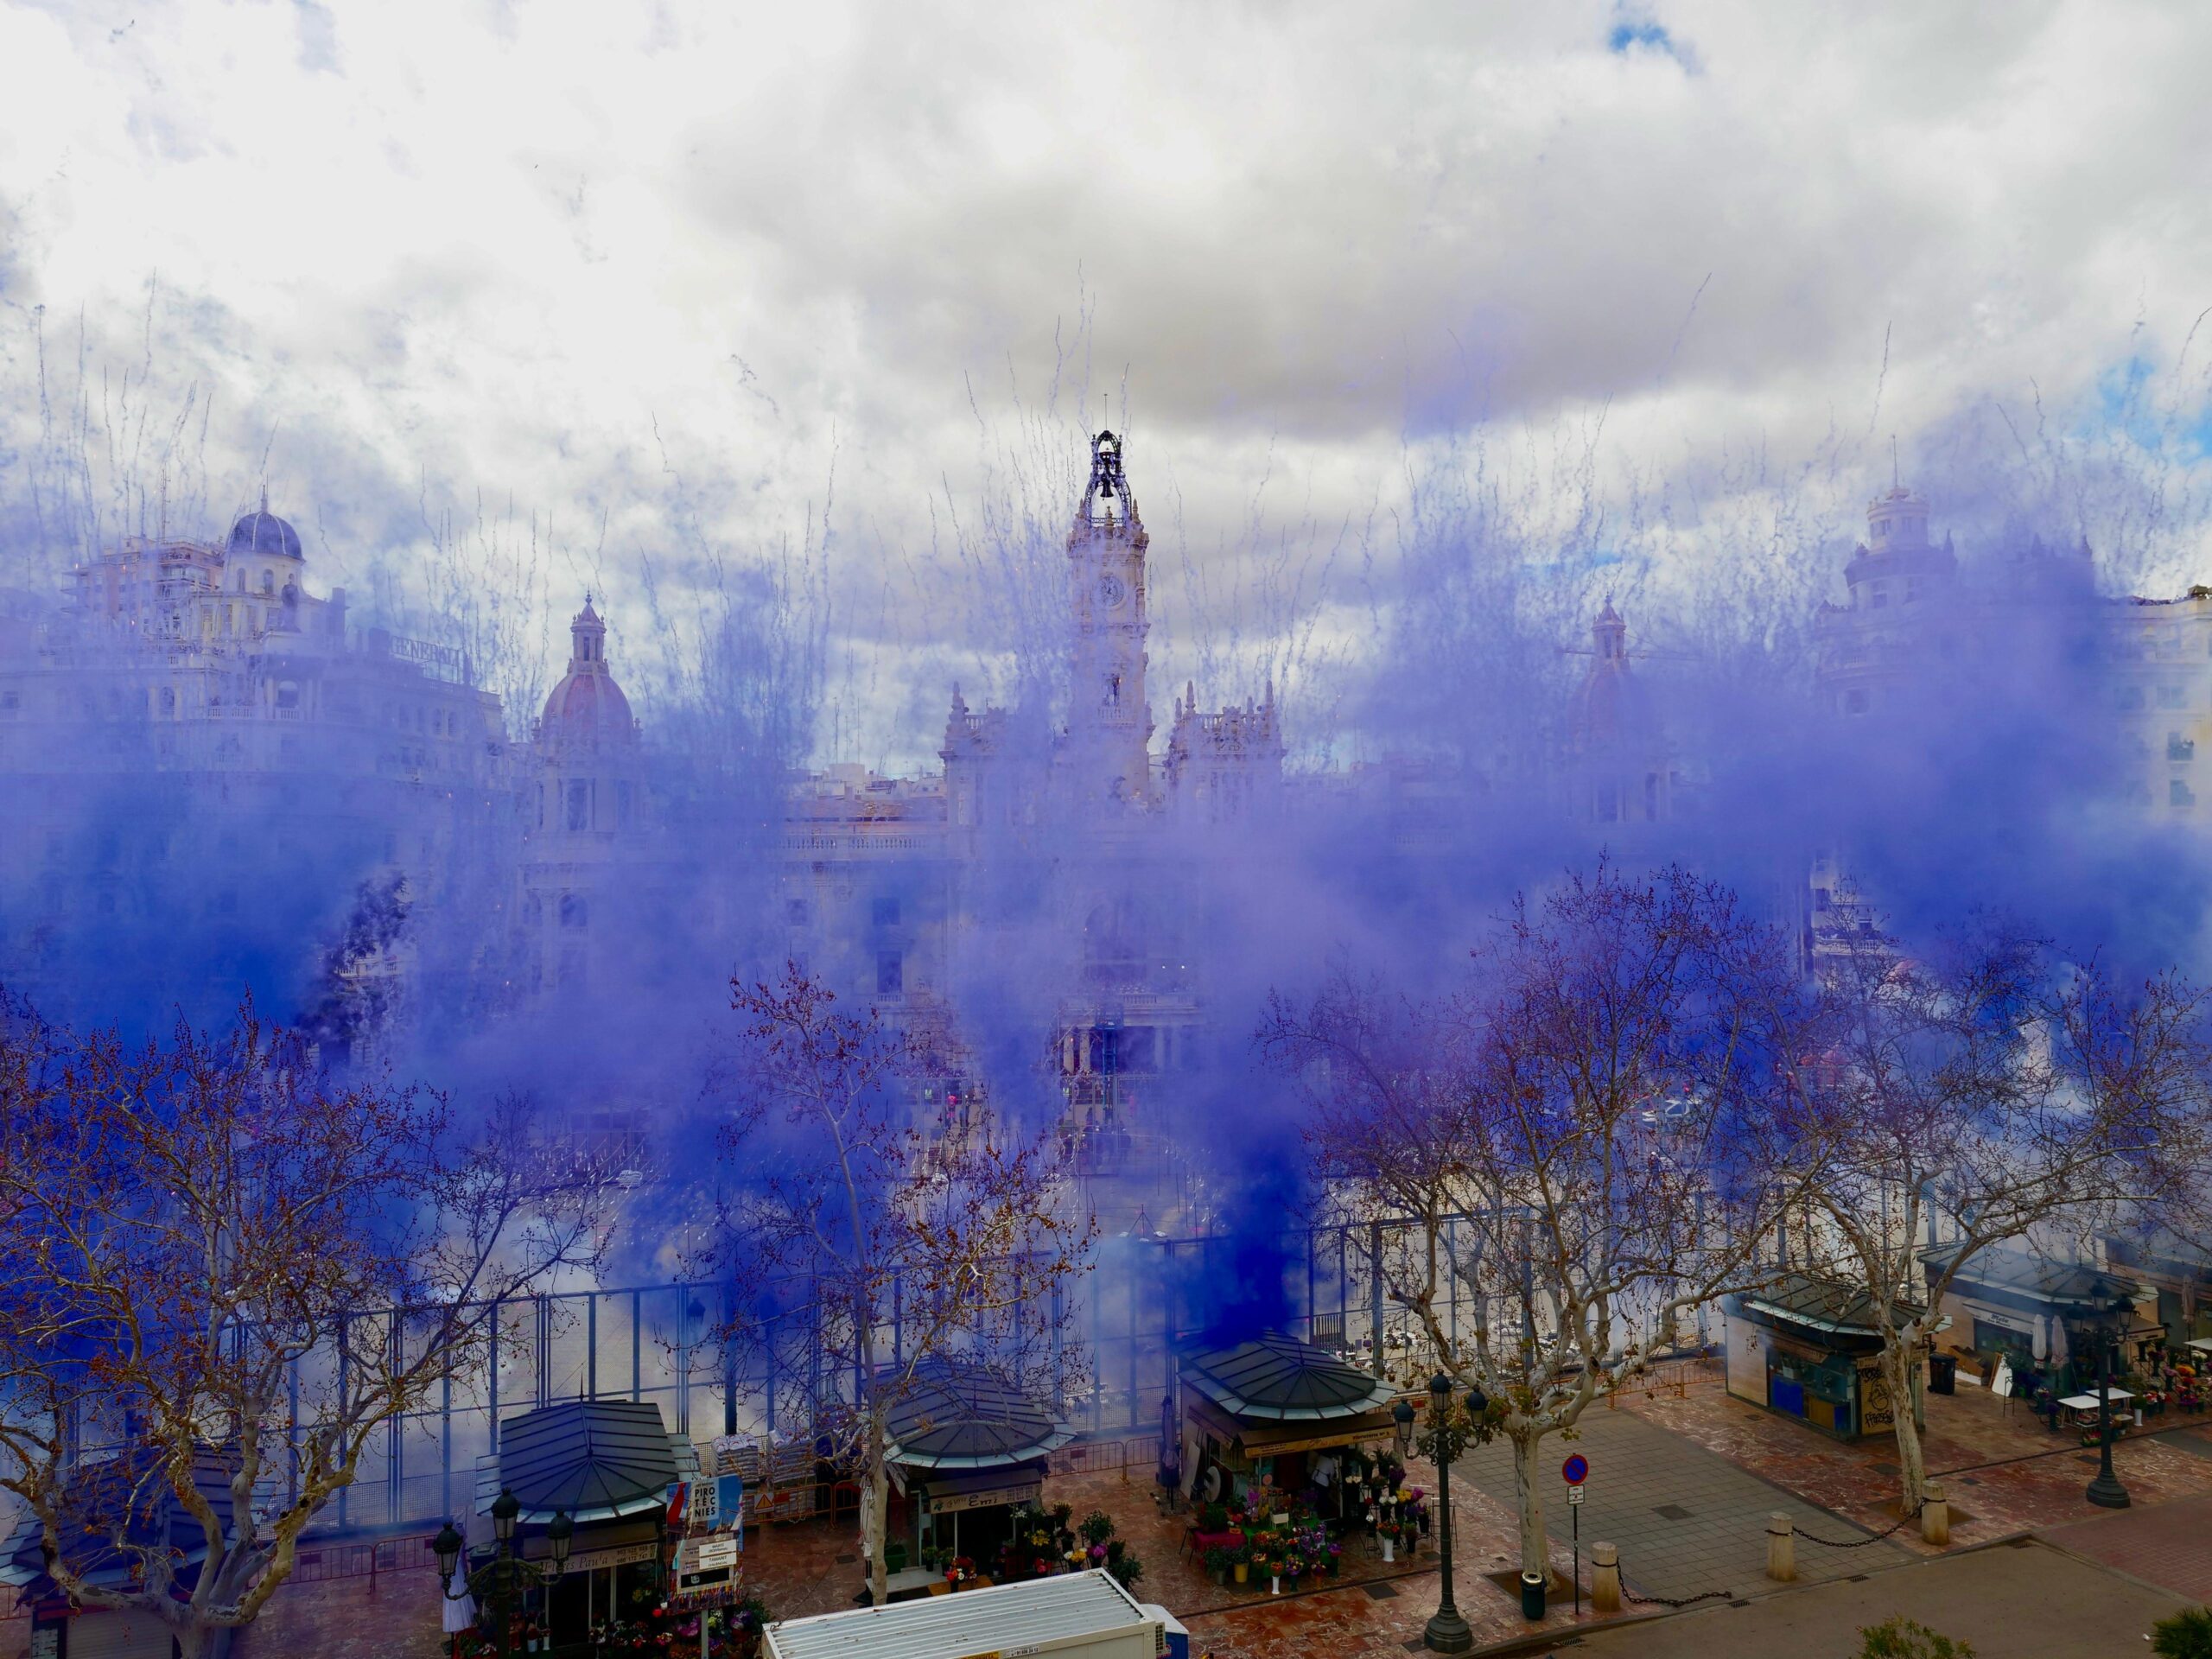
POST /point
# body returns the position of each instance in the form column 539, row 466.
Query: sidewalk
column 2022, row 1598
column 2170, row 1545
column 2004, row 1473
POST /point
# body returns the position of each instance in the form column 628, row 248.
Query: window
column 268, row 581
column 1854, row 702
column 2172, row 697
column 622, row 805
column 580, row 803
column 886, row 912
column 575, row 913
column 1651, row 797
column 2130, row 697
column 795, row 911
column 890, row 974
column 2179, row 795
column 288, row 695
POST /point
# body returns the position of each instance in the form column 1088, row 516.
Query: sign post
column 1576, row 1470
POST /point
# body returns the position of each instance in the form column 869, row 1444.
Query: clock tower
column 1110, row 722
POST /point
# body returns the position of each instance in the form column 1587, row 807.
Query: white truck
column 1076, row 1616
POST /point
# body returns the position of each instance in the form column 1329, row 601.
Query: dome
column 263, row 531
column 587, row 705
column 587, row 702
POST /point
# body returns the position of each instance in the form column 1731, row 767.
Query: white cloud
column 498, row 246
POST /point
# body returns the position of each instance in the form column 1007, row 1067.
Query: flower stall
column 608, row 1465
column 1276, row 1413
column 968, row 1452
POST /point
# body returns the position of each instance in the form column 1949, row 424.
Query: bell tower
column 1110, row 722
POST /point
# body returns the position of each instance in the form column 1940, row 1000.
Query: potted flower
column 1217, row 1563
column 1334, row 1559
column 1390, row 1531
column 1293, row 1566
column 1271, row 1569
column 1213, row 1518
column 1242, row 1566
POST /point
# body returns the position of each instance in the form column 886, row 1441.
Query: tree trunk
column 1896, row 1376
column 876, row 1512
column 1535, row 1553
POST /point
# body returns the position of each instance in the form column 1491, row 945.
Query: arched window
column 574, row 912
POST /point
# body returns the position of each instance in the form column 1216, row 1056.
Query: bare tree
column 1584, row 1142
column 222, row 1273
column 2001, row 1093
column 912, row 1254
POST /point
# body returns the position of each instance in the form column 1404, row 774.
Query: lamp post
column 503, row 1576
column 1447, row 1632
column 2105, row 1490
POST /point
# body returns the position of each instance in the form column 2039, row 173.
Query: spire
column 1609, row 634
column 1897, row 481
column 1108, row 485
column 587, row 638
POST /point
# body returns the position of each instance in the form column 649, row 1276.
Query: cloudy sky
column 689, row 281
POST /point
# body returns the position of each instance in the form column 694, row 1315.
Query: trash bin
column 1532, row 1596
column 1942, row 1374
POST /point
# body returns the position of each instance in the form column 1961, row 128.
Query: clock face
column 1111, row 591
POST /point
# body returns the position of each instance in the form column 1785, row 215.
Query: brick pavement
column 2005, row 1470
column 2168, row 1544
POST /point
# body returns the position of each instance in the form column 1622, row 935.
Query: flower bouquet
column 962, row 1569
column 1293, row 1568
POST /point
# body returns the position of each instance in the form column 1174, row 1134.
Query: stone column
column 1605, row 1578
column 1781, row 1547
column 1935, row 1515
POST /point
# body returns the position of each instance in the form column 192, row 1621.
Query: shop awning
column 962, row 1417
column 598, row 1459
column 1277, row 1378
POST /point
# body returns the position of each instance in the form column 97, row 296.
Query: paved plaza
column 1687, row 1520
column 2025, row 1598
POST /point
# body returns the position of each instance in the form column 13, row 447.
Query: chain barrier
column 1907, row 1519
column 1670, row 1601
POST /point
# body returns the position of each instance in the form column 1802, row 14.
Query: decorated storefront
column 1809, row 1348
column 1268, row 1411
column 577, row 1495
column 967, row 1451
column 2041, row 1314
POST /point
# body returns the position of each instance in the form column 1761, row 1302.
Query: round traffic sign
column 1576, row 1469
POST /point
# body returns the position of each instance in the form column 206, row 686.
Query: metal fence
column 1143, row 1298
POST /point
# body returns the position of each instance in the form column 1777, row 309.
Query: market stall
column 126, row 1494
column 607, row 1466
column 966, row 1450
column 1268, row 1411
column 2041, row 1315
column 1809, row 1348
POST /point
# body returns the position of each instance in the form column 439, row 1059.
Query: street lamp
column 2105, row 1490
column 1403, row 1413
column 1447, row 1632
column 560, row 1532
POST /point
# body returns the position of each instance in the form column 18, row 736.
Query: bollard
column 1935, row 1515
column 1605, row 1579
column 1781, row 1547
